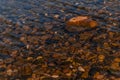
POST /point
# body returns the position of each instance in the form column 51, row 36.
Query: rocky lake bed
column 38, row 41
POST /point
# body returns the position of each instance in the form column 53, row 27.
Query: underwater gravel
column 34, row 44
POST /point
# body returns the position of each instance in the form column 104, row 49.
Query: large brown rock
column 79, row 23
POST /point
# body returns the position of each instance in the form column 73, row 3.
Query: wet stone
column 80, row 23
column 101, row 58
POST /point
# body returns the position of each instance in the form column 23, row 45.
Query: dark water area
column 36, row 9
column 32, row 31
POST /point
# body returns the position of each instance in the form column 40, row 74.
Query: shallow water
column 37, row 12
column 15, row 14
column 36, row 9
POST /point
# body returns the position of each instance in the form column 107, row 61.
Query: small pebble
column 9, row 72
column 80, row 68
column 101, row 58
column 55, row 76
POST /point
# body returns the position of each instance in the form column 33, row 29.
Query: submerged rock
column 79, row 23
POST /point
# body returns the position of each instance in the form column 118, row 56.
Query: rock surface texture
column 79, row 23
